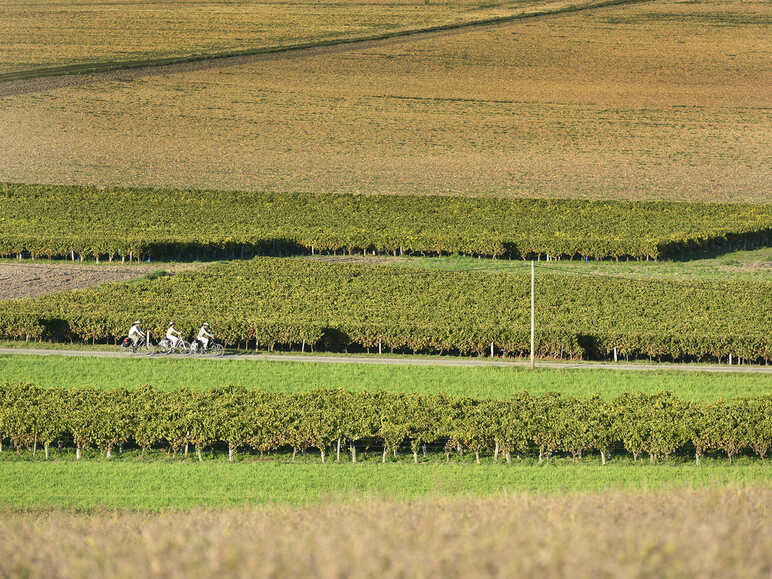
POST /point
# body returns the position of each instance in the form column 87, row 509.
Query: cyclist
column 136, row 335
column 173, row 335
column 204, row 336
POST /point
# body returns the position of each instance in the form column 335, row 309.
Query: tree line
column 337, row 421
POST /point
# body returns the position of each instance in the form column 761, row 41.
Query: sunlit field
column 501, row 383
column 696, row 533
column 657, row 100
column 45, row 33
column 159, row 482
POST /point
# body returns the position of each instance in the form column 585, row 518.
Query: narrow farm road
column 410, row 361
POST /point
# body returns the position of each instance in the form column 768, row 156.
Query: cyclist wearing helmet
column 204, row 336
column 173, row 335
column 136, row 335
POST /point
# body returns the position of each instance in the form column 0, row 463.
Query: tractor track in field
column 407, row 361
column 68, row 76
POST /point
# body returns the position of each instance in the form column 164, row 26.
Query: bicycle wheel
column 217, row 349
column 182, row 347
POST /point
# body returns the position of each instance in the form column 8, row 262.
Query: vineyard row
column 657, row 425
column 299, row 304
column 76, row 222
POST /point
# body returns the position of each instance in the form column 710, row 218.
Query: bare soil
column 765, row 266
column 25, row 280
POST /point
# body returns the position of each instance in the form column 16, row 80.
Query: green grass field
column 481, row 382
column 752, row 265
column 163, row 484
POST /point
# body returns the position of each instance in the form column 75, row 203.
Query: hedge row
column 658, row 425
column 104, row 223
column 300, row 303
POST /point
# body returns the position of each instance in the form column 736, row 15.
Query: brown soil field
column 665, row 100
column 41, row 33
column 26, row 280
column 685, row 533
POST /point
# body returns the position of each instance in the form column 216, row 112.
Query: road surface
column 410, row 361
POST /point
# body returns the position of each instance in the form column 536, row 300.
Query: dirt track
column 25, row 280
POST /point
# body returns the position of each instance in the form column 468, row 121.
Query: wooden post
column 491, row 349
column 533, row 316
column 615, row 353
column 380, row 349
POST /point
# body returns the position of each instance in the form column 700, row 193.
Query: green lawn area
column 162, row 484
column 751, row 265
column 480, row 382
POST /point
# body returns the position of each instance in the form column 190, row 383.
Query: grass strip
column 486, row 382
column 159, row 485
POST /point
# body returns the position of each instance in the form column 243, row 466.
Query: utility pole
column 533, row 316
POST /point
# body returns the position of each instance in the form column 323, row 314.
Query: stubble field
column 653, row 101
column 46, row 33
column 685, row 533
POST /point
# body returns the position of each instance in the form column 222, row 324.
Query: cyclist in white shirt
column 173, row 335
column 136, row 335
column 204, row 336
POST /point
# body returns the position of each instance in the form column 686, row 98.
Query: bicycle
column 214, row 348
column 165, row 347
column 127, row 346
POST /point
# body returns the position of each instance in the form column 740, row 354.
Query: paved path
column 409, row 361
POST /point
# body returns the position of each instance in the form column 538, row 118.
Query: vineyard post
column 533, row 317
